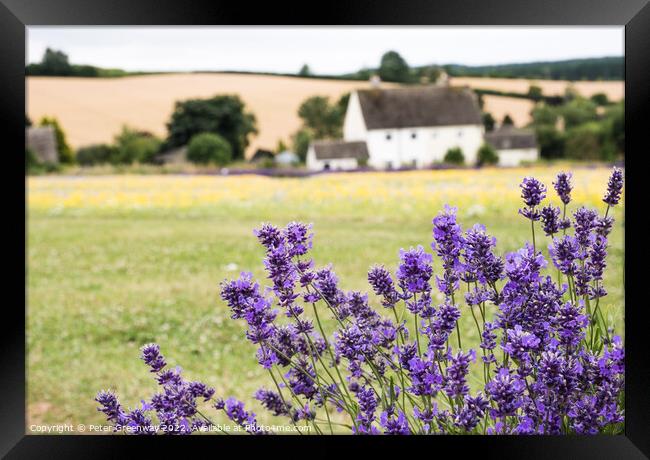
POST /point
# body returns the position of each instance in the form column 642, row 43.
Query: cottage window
column 414, row 135
column 460, row 134
column 388, row 136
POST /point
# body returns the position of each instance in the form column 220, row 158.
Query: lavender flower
column 614, row 187
column 519, row 343
column 563, row 186
column 394, row 425
column 152, row 357
column 235, row 411
column 448, row 243
column 367, row 407
column 532, row 192
column 570, row 324
column 564, row 252
column 456, row 378
column 382, row 284
column 111, row 407
column 585, row 222
column 551, row 221
column 273, row 402
column 506, row 391
column 415, row 270
column 480, row 260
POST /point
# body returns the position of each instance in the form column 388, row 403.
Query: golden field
column 615, row 90
column 500, row 106
column 93, row 110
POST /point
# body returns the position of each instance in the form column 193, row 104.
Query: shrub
column 454, row 156
column 96, row 154
column 487, row 155
column 222, row 115
column 32, row 165
column 63, row 149
column 548, row 363
column 207, row 148
column 135, row 146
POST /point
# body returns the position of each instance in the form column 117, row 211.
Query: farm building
column 261, row 155
column 337, row 155
column 412, row 126
column 42, row 141
column 287, row 158
column 513, row 145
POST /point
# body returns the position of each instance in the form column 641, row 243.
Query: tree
column 63, row 149
column 135, row 146
column 507, row 121
column 207, row 148
column 223, row 115
column 281, row 147
column 301, row 140
column 487, row 155
column 585, row 142
column 28, row 122
column 535, row 92
column 454, row 156
column 599, row 99
column 551, row 141
column 305, row 71
column 488, row 121
column 578, row 111
column 544, row 114
column 325, row 120
column 394, row 68
column 55, row 63
column 429, row 74
column 615, row 127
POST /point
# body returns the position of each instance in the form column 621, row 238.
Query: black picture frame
column 15, row 15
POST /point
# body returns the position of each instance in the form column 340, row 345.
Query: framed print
column 383, row 219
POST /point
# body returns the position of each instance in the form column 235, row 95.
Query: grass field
column 118, row 261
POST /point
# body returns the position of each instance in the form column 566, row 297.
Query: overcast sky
column 327, row 50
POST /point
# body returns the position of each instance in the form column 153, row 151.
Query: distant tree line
column 393, row 67
column 605, row 68
column 56, row 64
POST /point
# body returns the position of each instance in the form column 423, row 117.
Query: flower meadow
column 550, row 363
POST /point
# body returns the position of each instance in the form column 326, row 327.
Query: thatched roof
column 42, row 141
column 509, row 137
column 331, row 150
column 419, row 107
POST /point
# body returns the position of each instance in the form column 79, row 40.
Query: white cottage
column 337, row 155
column 513, row 145
column 413, row 126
